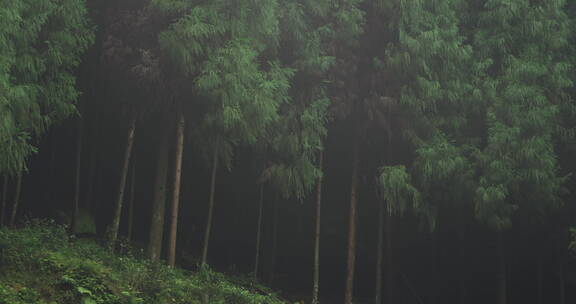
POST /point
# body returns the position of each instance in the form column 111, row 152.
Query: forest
column 324, row 151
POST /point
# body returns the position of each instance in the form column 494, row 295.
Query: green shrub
column 39, row 264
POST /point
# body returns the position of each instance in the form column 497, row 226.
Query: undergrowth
column 41, row 264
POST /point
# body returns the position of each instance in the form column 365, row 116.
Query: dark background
column 426, row 264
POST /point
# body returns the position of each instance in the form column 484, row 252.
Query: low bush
column 40, row 264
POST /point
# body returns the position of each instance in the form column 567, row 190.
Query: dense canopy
column 445, row 125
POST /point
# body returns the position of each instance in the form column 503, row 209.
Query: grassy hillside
column 40, row 264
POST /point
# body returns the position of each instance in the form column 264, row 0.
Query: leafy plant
column 39, row 263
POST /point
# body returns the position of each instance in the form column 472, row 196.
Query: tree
column 4, row 198
column 308, row 33
column 76, row 207
column 316, row 281
column 517, row 43
column 219, row 49
column 16, row 200
column 180, row 125
column 41, row 43
column 258, row 232
column 131, row 201
column 131, row 70
column 210, row 208
column 114, row 227
column 159, row 203
column 397, row 194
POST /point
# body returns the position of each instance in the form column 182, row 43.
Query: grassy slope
column 39, row 264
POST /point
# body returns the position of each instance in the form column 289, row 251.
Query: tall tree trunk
column 349, row 292
column 539, row 280
column 159, row 204
column 259, row 231
column 76, row 208
column 16, row 199
column 561, row 282
column 462, row 292
column 49, row 185
column 210, row 208
column 4, row 198
column 90, row 181
column 274, row 242
column 176, row 189
column 113, row 230
column 388, row 275
column 92, row 166
column 379, row 252
column 131, row 201
column 316, row 282
column 502, row 289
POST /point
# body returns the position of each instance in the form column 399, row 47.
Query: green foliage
column 223, row 49
column 481, row 83
column 39, row 265
column 396, row 189
column 523, row 79
column 41, row 43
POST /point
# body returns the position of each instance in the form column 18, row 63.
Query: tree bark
column 462, row 292
column 176, row 189
column 316, row 282
column 113, row 230
column 259, row 231
column 561, row 281
column 388, row 275
column 76, row 207
column 131, row 201
column 159, row 204
column 274, row 242
column 49, row 195
column 92, row 164
column 16, row 200
column 210, row 208
column 379, row 258
column 539, row 280
column 502, row 289
column 90, row 182
column 349, row 292
column 4, row 198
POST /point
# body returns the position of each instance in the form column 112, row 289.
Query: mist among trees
column 338, row 151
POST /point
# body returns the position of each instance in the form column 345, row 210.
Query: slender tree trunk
column 379, row 258
column 131, row 201
column 90, row 182
column 502, row 289
column 349, row 292
column 561, row 281
column 539, row 280
column 159, row 205
column 113, row 230
column 210, row 208
column 76, row 207
column 49, row 192
column 274, row 242
column 4, row 198
column 462, row 292
column 16, row 199
column 92, row 170
column 316, row 282
column 176, row 189
column 388, row 265
column 259, row 231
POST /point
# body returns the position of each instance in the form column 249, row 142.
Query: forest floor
column 41, row 264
